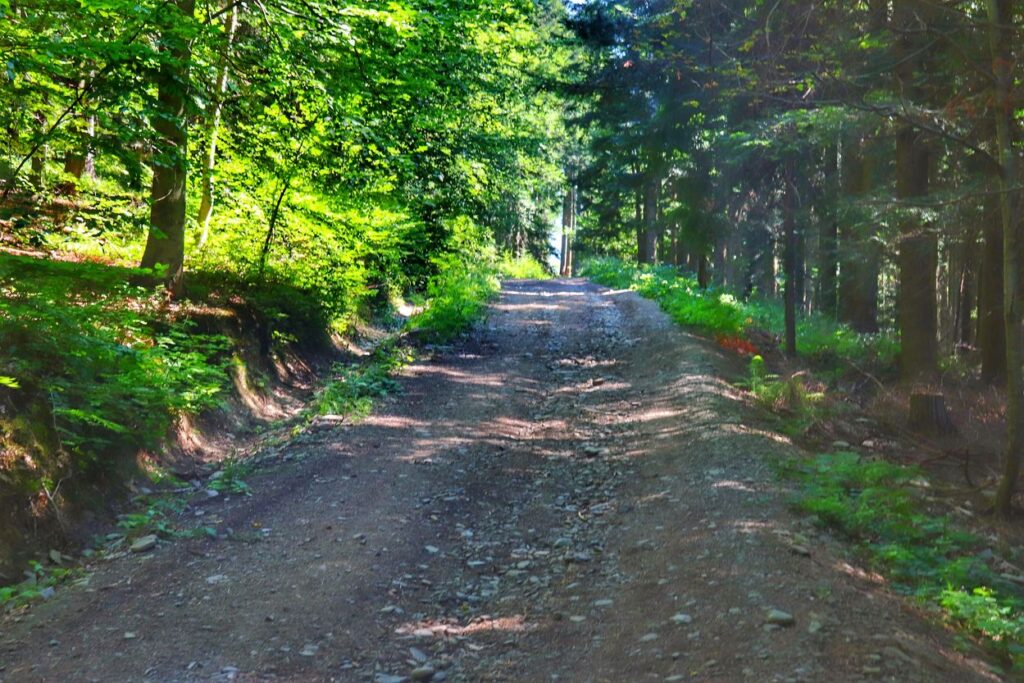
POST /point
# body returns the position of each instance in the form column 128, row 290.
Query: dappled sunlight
column 515, row 308
column 844, row 567
column 659, row 497
column 734, row 485
column 441, row 628
column 396, row 421
column 537, row 322
column 461, row 376
column 652, row 414
column 747, row 430
column 573, row 290
column 751, row 526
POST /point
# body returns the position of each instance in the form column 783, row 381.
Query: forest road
column 571, row 493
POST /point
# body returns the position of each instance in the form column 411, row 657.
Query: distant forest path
column 571, row 493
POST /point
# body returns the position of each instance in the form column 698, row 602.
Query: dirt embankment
column 268, row 383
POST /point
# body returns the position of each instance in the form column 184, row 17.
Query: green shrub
column 871, row 503
column 353, row 388
column 109, row 366
column 112, row 369
column 466, row 280
column 522, row 268
column 720, row 313
column 38, row 578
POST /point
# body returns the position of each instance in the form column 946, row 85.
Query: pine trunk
column 991, row 334
column 1001, row 37
column 790, row 258
column 828, row 243
column 650, row 230
column 859, row 255
column 918, row 247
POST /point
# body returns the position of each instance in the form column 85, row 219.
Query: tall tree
column 918, row 248
column 165, row 244
column 213, row 126
column 1002, row 39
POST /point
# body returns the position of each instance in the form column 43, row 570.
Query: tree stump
column 928, row 415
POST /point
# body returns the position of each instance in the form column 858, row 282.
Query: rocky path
column 572, row 494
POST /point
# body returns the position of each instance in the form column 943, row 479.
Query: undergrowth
column 466, row 280
column 352, row 388
column 723, row 315
column 522, row 268
column 40, row 582
column 108, row 367
column 792, row 397
column 875, row 505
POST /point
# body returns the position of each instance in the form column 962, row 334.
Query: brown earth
column 573, row 493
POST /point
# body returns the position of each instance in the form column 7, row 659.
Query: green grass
column 874, row 504
column 720, row 313
column 353, row 388
column 466, row 280
column 522, row 268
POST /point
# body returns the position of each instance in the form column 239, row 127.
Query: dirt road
column 571, row 494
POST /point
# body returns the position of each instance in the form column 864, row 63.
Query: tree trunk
column 918, row 248
column 1001, row 37
column 720, row 266
column 859, row 253
column 563, row 255
column 991, row 335
column 38, row 163
column 828, row 242
column 789, row 257
column 703, row 277
column 572, row 231
column 165, row 245
column 650, row 231
column 80, row 162
column 641, row 243
column 272, row 227
column 213, row 129
column 928, row 415
column 965, row 295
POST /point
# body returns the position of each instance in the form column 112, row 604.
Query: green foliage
column 993, row 617
column 230, row 478
column 466, row 280
column 113, row 370
column 39, row 578
column 757, row 371
column 156, row 515
column 721, row 313
column 712, row 311
column 352, row 390
column 338, row 252
column 872, row 503
column 522, row 268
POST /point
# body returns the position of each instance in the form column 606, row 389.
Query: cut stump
column 928, row 415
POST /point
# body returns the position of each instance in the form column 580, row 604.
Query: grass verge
column 880, row 508
column 723, row 315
